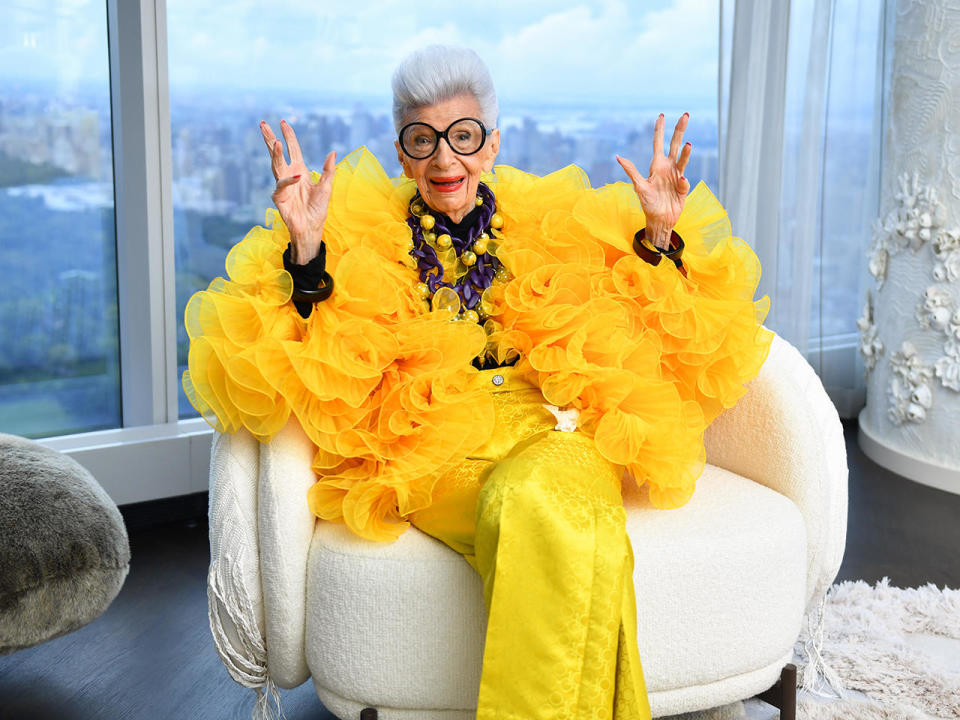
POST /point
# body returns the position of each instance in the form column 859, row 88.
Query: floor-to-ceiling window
column 166, row 95
column 59, row 352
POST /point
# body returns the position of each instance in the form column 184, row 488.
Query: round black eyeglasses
column 464, row 136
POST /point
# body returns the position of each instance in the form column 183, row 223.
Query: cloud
column 64, row 43
column 610, row 51
column 540, row 50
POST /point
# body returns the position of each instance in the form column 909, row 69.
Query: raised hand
column 302, row 205
column 663, row 193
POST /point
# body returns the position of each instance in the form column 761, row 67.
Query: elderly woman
column 487, row 357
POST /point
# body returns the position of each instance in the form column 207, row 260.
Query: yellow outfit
column 530, row 492
column 408, row 431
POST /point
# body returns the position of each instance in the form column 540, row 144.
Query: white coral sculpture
column 948, row 366
column 918, row 214
column 871, row 346
column 909, row 391
column 879, row 257
column 935, row 308
column 916, row 219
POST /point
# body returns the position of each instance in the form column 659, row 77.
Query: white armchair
column 723, row 583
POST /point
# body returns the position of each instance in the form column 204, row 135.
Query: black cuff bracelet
column 652, row 254
column 311, row 282
column 322, row 292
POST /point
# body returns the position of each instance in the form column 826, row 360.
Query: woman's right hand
column 301, row 204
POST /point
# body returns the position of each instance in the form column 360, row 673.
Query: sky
column 609, row 51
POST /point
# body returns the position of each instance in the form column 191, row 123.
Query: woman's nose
column 444, row 154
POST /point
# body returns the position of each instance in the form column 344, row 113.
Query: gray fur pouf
column 64, row 552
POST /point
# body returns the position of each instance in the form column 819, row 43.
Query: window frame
column 153, row 454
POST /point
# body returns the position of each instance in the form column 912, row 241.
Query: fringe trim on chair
column 818, row 677
column 247, row 664
column 268, row 703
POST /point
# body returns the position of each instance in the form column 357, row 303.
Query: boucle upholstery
column 286, row 528
column 721, row 589
column 786, row 434
column 64, row 552
column 233, row 582
column 721, row 583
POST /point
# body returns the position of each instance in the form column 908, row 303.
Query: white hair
column 440, row 72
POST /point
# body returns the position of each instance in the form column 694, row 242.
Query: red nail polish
column 686, row 114
column 296, row 177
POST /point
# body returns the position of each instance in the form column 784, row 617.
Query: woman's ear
column 402, row 159
column 491, row 149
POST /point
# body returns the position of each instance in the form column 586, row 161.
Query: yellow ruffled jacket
column 382, row 385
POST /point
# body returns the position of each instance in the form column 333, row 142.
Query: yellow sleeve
column 380, row 384
column 647, row 355
column 229, row 323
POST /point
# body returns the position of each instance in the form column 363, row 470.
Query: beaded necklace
column 466, row 266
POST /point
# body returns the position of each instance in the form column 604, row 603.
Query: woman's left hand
column 662, row 194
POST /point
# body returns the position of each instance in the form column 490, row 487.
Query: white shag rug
column 895, row 651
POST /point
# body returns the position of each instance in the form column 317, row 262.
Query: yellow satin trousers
column 539, row 515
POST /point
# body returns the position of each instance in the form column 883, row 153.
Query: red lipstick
column 448, row 184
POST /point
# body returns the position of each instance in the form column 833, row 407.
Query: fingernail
column 688, row 144
column 661, row 114
column 296, row 177
column 686, row 114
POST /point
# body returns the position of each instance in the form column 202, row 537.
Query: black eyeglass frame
column 443, row 135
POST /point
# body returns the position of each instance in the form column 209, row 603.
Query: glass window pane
column 578, row 82
column 59, row 357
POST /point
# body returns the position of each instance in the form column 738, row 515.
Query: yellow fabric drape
column 538, row 513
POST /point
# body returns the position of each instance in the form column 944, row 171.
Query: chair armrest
column 260, row 534
column 233, row 583
column 785, row 433
column 285, row 530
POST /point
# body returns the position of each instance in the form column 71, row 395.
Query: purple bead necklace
column 485, row 266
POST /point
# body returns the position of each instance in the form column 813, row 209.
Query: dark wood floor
column 150, row 656
column 898, row 528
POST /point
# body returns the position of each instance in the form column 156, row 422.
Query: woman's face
column 447, row 181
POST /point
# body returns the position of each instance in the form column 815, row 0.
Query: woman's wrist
column 304, row 247
column 658, row 234
column 311, row 282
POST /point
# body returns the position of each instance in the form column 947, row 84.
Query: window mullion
column 145, row 276
column 165, row 192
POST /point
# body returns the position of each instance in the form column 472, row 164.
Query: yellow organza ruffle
column 379, row 383
column 382, row 385
column 648, row 356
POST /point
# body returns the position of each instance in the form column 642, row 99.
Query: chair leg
column 368, row 714
column 783, row 694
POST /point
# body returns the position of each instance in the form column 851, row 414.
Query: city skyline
column 221, row 183
column 57, row 153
